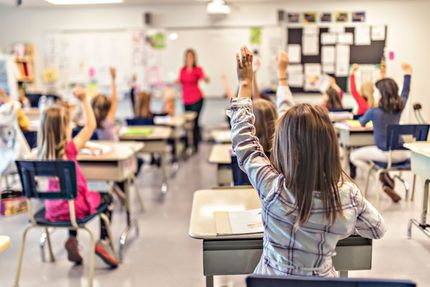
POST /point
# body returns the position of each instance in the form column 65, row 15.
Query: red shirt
column 363, row 106
column 189, row 79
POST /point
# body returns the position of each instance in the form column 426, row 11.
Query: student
column 105, row 112
column 143, row 106
column 308, row 203
column 388, row 112
column 55, row 143
column 23, row 121
column 134, row 89
column 332, row 97
column 364, row 98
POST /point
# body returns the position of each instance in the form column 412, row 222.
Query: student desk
column 221, row 156
column 239, row 254
column 221, row 136
column 5, row 243
column 155, row 142
column 350, row 137
column 119, row 164
column 420, row 164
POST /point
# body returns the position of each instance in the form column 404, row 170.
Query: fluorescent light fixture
column 218, row 7
column 83, row 2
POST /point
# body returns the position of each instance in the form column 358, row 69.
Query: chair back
column 292, row 281
column 341, row 110
column 30, row 171
column 76, row 130
column 239, row 177
column 140, row 122
column 33, row 98
column 31, row 137
column 395, row 133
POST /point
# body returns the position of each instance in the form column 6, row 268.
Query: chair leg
column 405, row 184
column 109, row 231
column 48, row 240
column 379, row 186
column 367, row 181
column 413, row 187
column 42, row 243
column 92, row 257
column 21, row 255
column 139, row 197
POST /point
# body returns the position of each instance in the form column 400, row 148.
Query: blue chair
column 395, row 142
column 31, row 137
column 140, row 122
column 33, row 174
column 294, row 281
column 239, row 177
column 33, row 98
column 76, row 130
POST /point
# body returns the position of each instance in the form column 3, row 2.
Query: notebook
column 137, row 131
column 92, row 148
column 238, row 222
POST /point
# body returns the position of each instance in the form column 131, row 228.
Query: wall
column 407, row 21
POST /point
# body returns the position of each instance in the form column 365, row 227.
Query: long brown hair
column 306, row 151
column 143, row 105
column 192, row 52
column 265, row 120
column 390, row 101
column 101, row 106
column 366, row 91
column 334, row 100
column 53, row 133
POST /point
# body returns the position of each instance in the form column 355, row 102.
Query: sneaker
column 387, row 180
column 392, row 194
column 72, row 248
column 104, row 251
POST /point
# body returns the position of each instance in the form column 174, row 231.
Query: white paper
column 337, row 29
column 328, row 38
column 294, row 53
column 362, row 35
column 296, row 78
column 328, row 54
column 294, row 69
column 245, row 222
column 310, row 45
column 342, row 60
column 328, row 68
column 311, row 30
column 324, row 83
column 345, row 39
column 378, row 32
column 312, row 76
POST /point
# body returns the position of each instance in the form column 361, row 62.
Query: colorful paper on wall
column 294, row 53
column 310, row 45
column 378, row 32
column 328, row 54
column 295, row 76
column 342, row 60
column 362, row 35
column 328, row 38
column 345, row 38
column 255, row 36
column 312, row 77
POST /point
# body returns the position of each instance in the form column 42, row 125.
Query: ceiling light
column 83, row 2
column 218, row 7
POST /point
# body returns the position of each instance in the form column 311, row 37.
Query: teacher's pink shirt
column 189, row 79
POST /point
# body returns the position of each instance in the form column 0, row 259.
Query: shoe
column 72, row 248
column 104, row 251
column 387, row 180
column 392, row 194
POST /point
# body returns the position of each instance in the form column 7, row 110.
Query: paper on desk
column 238, row 222
column 328, row 38
column 362, row 35
column 345, row 38
column 96, row 149
column 310, row 45
column 378, row 32
column 342, row 60
column 294, row 53
column 328, row 54
column 165, row 120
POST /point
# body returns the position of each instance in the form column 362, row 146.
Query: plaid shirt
column 290, row 249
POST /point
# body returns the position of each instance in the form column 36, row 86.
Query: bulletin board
column 7, row 76
column 371, row 54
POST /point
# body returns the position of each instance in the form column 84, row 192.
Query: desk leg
column 163, row 157
column 422, row 225
column 343, row 273
column 209, row 281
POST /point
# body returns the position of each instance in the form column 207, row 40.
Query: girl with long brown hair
column 308, row 203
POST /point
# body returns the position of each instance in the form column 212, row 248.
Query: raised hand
column 354, row 68
column 244, row 65
column 283, row 61
column 407, row 68
column 112, row 72
column 80, row 93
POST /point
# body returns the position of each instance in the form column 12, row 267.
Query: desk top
column 422, row 148
column 177, row 121
column 353, row 126
column 220, row 154
column 158, row 133
column 5, row 243
column 206, row 202
column 221, row 136
column 119, row 151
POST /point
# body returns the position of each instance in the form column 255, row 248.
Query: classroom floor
column 165, row 256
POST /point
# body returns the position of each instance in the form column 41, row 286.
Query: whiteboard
column 216, row 53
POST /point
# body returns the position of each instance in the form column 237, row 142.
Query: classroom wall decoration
column 7, row 76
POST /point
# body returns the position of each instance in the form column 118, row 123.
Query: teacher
column 192, row 97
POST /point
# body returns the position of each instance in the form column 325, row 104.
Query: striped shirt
column 288, row 249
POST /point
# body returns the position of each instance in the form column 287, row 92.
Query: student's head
column 332, row 99
column 169, row 104
column 143, row 105
column 190, row 58
column 387, row 96
column 101, row 106
column 265, row 119
column 306, row 151
column 367, row 90
column 54, row 132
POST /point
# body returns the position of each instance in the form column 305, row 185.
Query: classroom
column 217, row 143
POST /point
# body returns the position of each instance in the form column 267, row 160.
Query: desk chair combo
column 395, row 142
column 31, row 173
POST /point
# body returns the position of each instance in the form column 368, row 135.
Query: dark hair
column 265, row 120
column 306, row 152
column 190, row 51
column 101, row 106
column 334, row 100
column 390, row 101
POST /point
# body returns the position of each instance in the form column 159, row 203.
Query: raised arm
column 114, row 101
column 246, row 146
column 361, row 102
column 227, row 90
column 407, row 73
column 284, row 97
column 335, row 86
column 90, row 125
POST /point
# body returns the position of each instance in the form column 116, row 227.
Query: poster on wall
column 310, row 17
column 7, row 77
column 325, row 17
column 341, row 17
column 255, row 36
column 293, row 17
column 358, row 17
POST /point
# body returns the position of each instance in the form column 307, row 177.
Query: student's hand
column 407, row 69
column 80, row 93
column 244, row 66
column 283, row 61
column 112, row 72
column 354, row 68
column 383, row 69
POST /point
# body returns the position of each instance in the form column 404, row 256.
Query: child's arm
column 249, row 152
column 361, row 102
column 407, row 71
column 284, row 97
column 335, row 86
column 87, row 131
column 367, row 117
column 370, row 223
column 227, row 90
column 113, row 99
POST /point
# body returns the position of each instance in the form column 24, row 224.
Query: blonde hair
column 265, row 119
column 53, row 133
column 143, row 105
column 366, row 91
column 101, row 106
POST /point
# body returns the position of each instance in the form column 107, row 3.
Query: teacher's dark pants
column 196, row 107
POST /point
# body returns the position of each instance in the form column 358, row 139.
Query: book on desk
column 238, row 222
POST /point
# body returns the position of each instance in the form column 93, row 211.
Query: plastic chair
column 395, row 142
column 239, row 177
column 76, row 130
column 31, row 137
column 33, row 98
column 140, row 122
column 30, row 173
column 294, row 281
